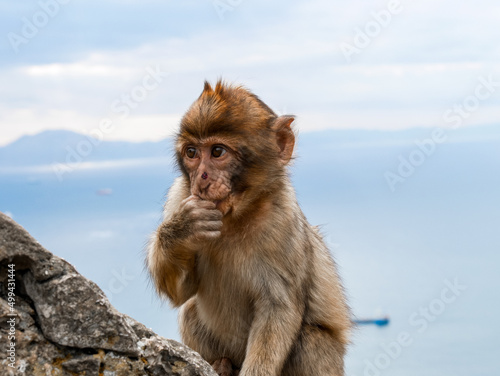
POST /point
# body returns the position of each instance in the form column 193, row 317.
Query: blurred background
column 398, row 114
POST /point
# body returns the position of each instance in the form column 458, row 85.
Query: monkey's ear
column 207, row 88
column 285, row 138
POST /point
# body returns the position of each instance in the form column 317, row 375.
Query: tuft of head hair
column 227, row 109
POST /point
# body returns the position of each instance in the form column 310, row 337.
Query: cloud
column 80, row 70
column 9, row 214
column 426, row 59
column 133, row 128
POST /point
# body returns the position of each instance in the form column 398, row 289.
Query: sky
column 130, row 69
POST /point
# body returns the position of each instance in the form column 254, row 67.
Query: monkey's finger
column 193, row 206
column 209, row 234
column 205, row 204
column 189, row 204
column 194, row 202
column 190, row 198
column 209, row 225
column 207, row 214
column 216, row 364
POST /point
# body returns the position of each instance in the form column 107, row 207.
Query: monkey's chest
column 223, row 301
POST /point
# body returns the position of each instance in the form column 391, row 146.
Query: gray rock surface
column 59, row 323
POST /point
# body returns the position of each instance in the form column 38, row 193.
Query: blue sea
column 424, row 251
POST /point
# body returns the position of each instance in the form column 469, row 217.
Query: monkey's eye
column 218, row 151
column 191, row 152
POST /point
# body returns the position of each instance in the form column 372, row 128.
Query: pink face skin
column 208, row 167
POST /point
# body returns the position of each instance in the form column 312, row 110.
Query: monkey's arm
column 173, row 250
column 277, row 321
column 172, row 264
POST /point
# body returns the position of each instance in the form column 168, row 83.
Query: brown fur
column 256, row 282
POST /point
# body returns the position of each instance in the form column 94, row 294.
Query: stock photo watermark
column 122, row 106
column 118, row 283
column 364, row 36
column 31, row 26
column 454, row 117
column 419, row 321
column 224, row 6
column 11, row 321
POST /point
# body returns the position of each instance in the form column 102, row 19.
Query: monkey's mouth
column 223, row 204
column 219, row 203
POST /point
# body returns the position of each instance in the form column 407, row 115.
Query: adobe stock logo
column 372, row 29
column 419, row 321
column 223, row 6
column 122, row 106
column 454, row 117
column 118, row 283
column 31, row 26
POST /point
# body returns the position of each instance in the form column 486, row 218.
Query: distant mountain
column 360, row 137
column 65, row 146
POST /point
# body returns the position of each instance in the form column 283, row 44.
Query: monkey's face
column 233, row 148
column 210, row 165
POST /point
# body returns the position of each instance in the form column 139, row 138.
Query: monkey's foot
column 224, row 367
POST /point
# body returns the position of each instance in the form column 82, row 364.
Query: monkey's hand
column 171, row 259
column 196, row 220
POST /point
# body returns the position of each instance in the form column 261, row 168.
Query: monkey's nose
column 203, row 183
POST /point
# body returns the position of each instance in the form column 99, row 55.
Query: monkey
column 258, row 291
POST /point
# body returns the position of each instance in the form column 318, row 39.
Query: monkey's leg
column 316, row 352
column 224, row 367
column 195, row 335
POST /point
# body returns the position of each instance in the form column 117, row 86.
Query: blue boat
column 382, row 321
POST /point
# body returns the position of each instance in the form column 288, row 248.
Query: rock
column 89, row 364
column 53, row 321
